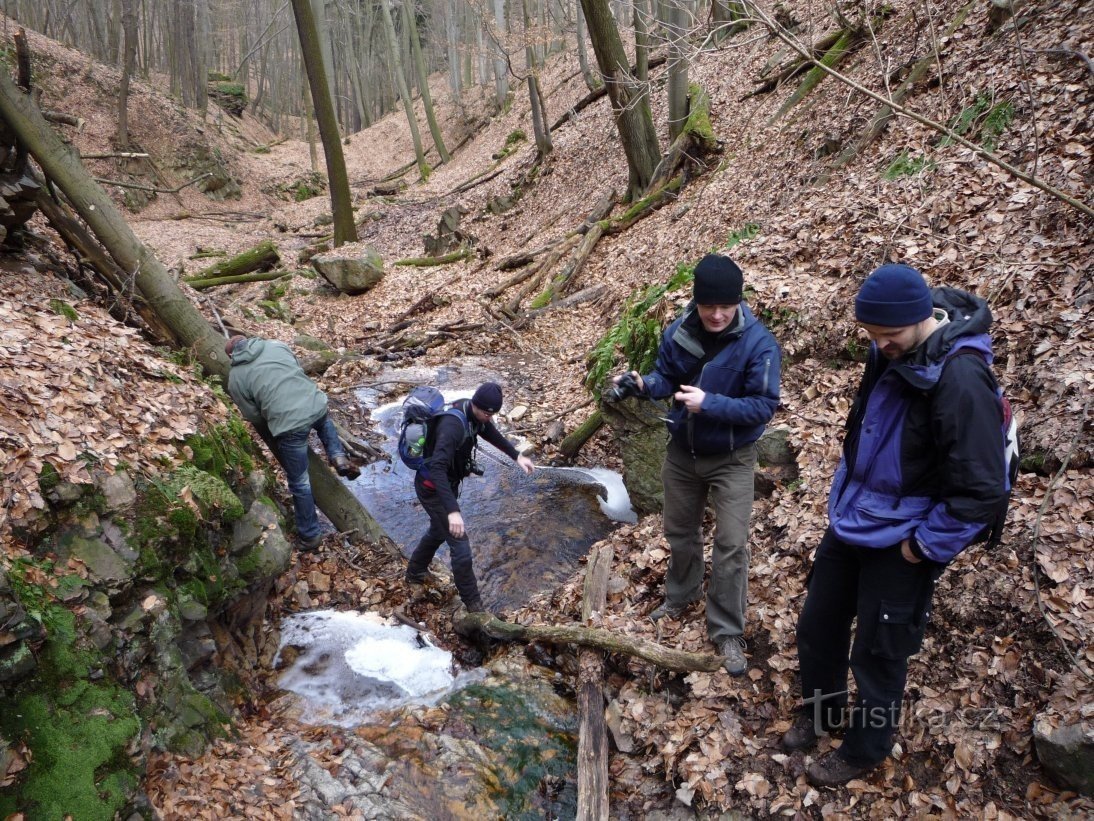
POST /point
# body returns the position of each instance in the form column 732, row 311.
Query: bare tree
column 338, row 181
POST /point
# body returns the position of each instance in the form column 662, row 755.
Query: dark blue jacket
column 738, row 370
column 923, row 455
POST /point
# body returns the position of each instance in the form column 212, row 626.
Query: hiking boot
column 476, row 606
column 344, row 467
column 667, row 608
column 733, row 649
column 311, row 542
column 419, row 583
column 802, row 734
column 831, row 770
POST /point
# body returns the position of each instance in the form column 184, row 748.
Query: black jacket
column 449, row 451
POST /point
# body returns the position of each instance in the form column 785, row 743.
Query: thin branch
column 983, row 153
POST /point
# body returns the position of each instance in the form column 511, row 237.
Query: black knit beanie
column 718, row 281
column 488, row 397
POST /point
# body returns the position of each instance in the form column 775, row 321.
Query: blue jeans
column 291, row 450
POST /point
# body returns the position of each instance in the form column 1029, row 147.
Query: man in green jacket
column 276, row 396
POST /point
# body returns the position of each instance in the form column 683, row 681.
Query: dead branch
column 788, row 38
column 665, row 657
column 592, row 738
column 152, row 188
column 120, row 155
column 1067, row 52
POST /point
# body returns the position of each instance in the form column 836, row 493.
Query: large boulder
column 350, row 271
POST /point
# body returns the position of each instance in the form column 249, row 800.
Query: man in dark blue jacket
column 721, row 367
column 922, row 476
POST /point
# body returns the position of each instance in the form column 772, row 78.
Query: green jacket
column 269, row 386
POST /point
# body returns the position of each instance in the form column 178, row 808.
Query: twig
column 121, row 155
column 1037, row 537
column 1067, row 52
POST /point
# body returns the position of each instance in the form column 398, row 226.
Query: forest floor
column 993, row 659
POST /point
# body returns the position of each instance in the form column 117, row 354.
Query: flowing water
column 445, row 742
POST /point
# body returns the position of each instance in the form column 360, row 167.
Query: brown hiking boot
column 476, row 607
column 344, row 467
column 311, row 543
column 831, row 770
column 802, row 734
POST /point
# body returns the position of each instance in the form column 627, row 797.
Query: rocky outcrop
column 108, row 624
column 1066, row 750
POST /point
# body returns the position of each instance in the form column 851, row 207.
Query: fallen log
column 539, row 272
column 582, row 434
column 259, row 258
column 264, row 276
column 664, row 657
column 593, row 230
column 592, row 737
column 426, row 262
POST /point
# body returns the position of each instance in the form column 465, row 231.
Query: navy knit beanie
column 893, row 296
column 718, row 281
column 488, row 397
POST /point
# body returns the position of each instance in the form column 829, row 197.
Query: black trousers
column 459, row 549
column 891, row 599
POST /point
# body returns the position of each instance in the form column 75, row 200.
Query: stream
column 423, row 737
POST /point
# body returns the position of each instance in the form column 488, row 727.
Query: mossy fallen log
column 263, row 276
column 261, row 257
column 812, row 78
column 582, row 434
column 426, row 262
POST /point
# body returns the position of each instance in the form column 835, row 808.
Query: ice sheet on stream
column 346, row 666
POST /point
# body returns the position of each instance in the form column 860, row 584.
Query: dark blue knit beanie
column 893, row 296
column 488, row 397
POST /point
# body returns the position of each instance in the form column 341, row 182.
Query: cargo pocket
column 899, row 632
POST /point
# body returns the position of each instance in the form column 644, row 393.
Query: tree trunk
column 129, row 51
column 591, row 80
column 678, row 69
column 641, row 41
column 501, row 66
column 539, row 114
column 322, row 37
column 630, row 102
column 423, row 82
column 261, row 257
column 341, row 203
column 404, row 92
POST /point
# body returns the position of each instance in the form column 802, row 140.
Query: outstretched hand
column 525, row 464
column 455, row 525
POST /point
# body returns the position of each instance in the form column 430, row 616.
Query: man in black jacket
column 450, row 460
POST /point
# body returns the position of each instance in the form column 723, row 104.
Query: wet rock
column 1066, row 752
column 350, row 274
column 517, row 413
column 641, row 435
column 66, row 493
column 16, row 662
column 190, row 610
column 613, row 715
column 247, row 531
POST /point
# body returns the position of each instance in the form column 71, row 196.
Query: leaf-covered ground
column 86, row 391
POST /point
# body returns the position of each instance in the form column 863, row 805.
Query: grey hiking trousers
column 728, row 480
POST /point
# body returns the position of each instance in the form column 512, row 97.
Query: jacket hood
column 690, row 330
column 969, row 316
column 248, row 351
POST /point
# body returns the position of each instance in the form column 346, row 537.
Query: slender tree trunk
column 539, row 114
column 677, row 69
column 630, row 101
column 501, row 67
column 641, row 41
column 423, row 81
column 129, row 50
column 591, row 80
column 319, row 13
column 338, row 181
column 404, row 92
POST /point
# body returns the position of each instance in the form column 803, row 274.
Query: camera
column 474, row 468
column 626, row 387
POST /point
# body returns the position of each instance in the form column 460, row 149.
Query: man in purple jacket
column 922, row 476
